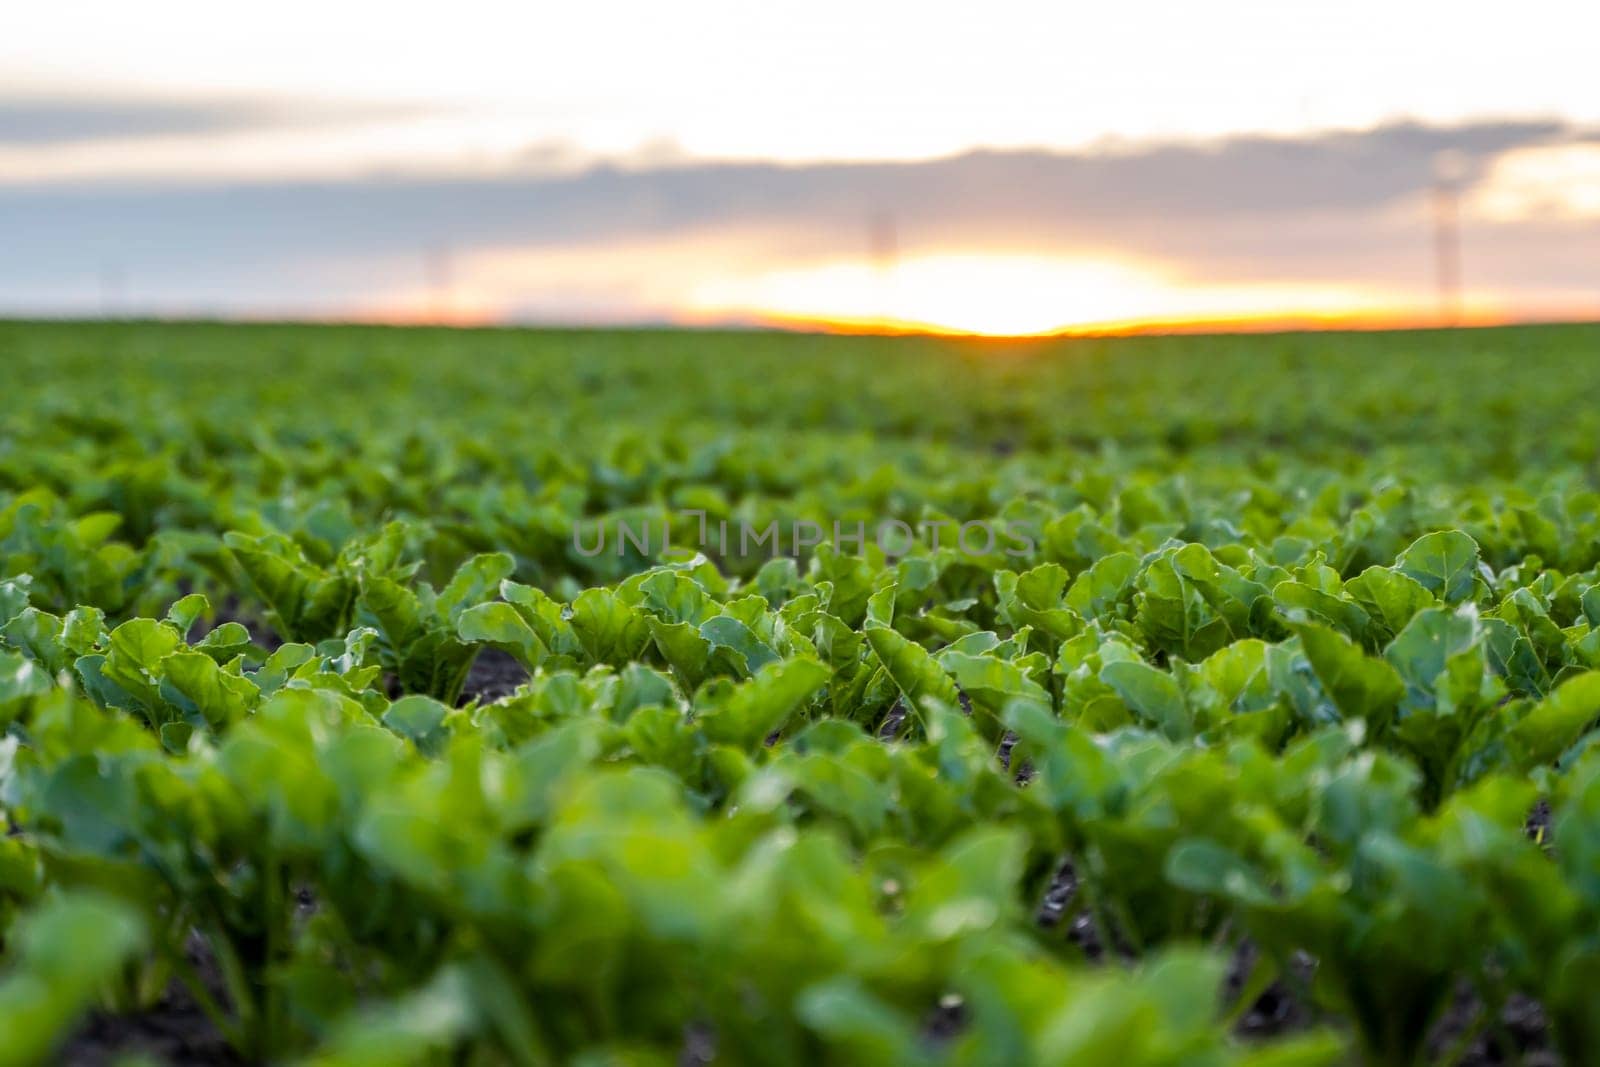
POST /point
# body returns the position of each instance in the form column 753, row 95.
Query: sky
column 1003, row 168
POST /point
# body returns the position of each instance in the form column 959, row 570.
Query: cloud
column 37, row 121
column 65, row 121
column 1340, row 207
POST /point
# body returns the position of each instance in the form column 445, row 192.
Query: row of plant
column 1290, row 787
column 1268, row 698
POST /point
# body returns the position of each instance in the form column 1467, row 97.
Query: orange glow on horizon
column 1287, row 321
column 1000, row 295
column 724, row 283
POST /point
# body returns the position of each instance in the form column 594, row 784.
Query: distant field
column 429, row 696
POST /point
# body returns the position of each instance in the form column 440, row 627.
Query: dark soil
column 1277, row 1010
column 1053, row 911
column 1539, row 821
column 173, row 1031
column 889, row 729
column 1063, row 887
column 947, row 1019
column 494, row 674
column 1522, row 1036
column 699, row 1045
column 1023, row 771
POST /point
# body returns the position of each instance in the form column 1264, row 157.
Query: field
column 517, row 697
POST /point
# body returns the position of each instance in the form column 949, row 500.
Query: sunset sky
column 1008, row 168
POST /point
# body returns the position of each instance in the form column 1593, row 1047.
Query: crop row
column 1294, row 688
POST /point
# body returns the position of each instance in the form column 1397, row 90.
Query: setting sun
column 1012, row 295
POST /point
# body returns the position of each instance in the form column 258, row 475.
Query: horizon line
column 1266, row 324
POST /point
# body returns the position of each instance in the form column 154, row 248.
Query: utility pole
column 436, row 275
column 1448, row 171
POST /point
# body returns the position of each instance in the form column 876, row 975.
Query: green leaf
column 914, row 672
column 723, row 631
column 420, row 720
column 14, row 596
column 1430, row 641
column 1359, row 686
column 1444, row 563
column 609, row 629
column 411, row 1028
column 992, row 682
column 39, row 634
column 502, row 626
column 837, row 785
column 1557, row 721
column 1204, row 866
column 880, row 607
column 762, row 705
column 133, row 664
column 66, row 952
column 1034, row 598
column 1344, row 615
column 143, row 644
column 226, row 642
column 1240, row 601
column 475, row 581
column 304, row 602
column 220, row 697
column 1109, row 582
column 971, row 886
column 183, row 613
column 20, row 677
column 1152, row 694
column 677, row 598
column 860, row 1026
column 545, row 618
column 1389, row 596
column 539, row 769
